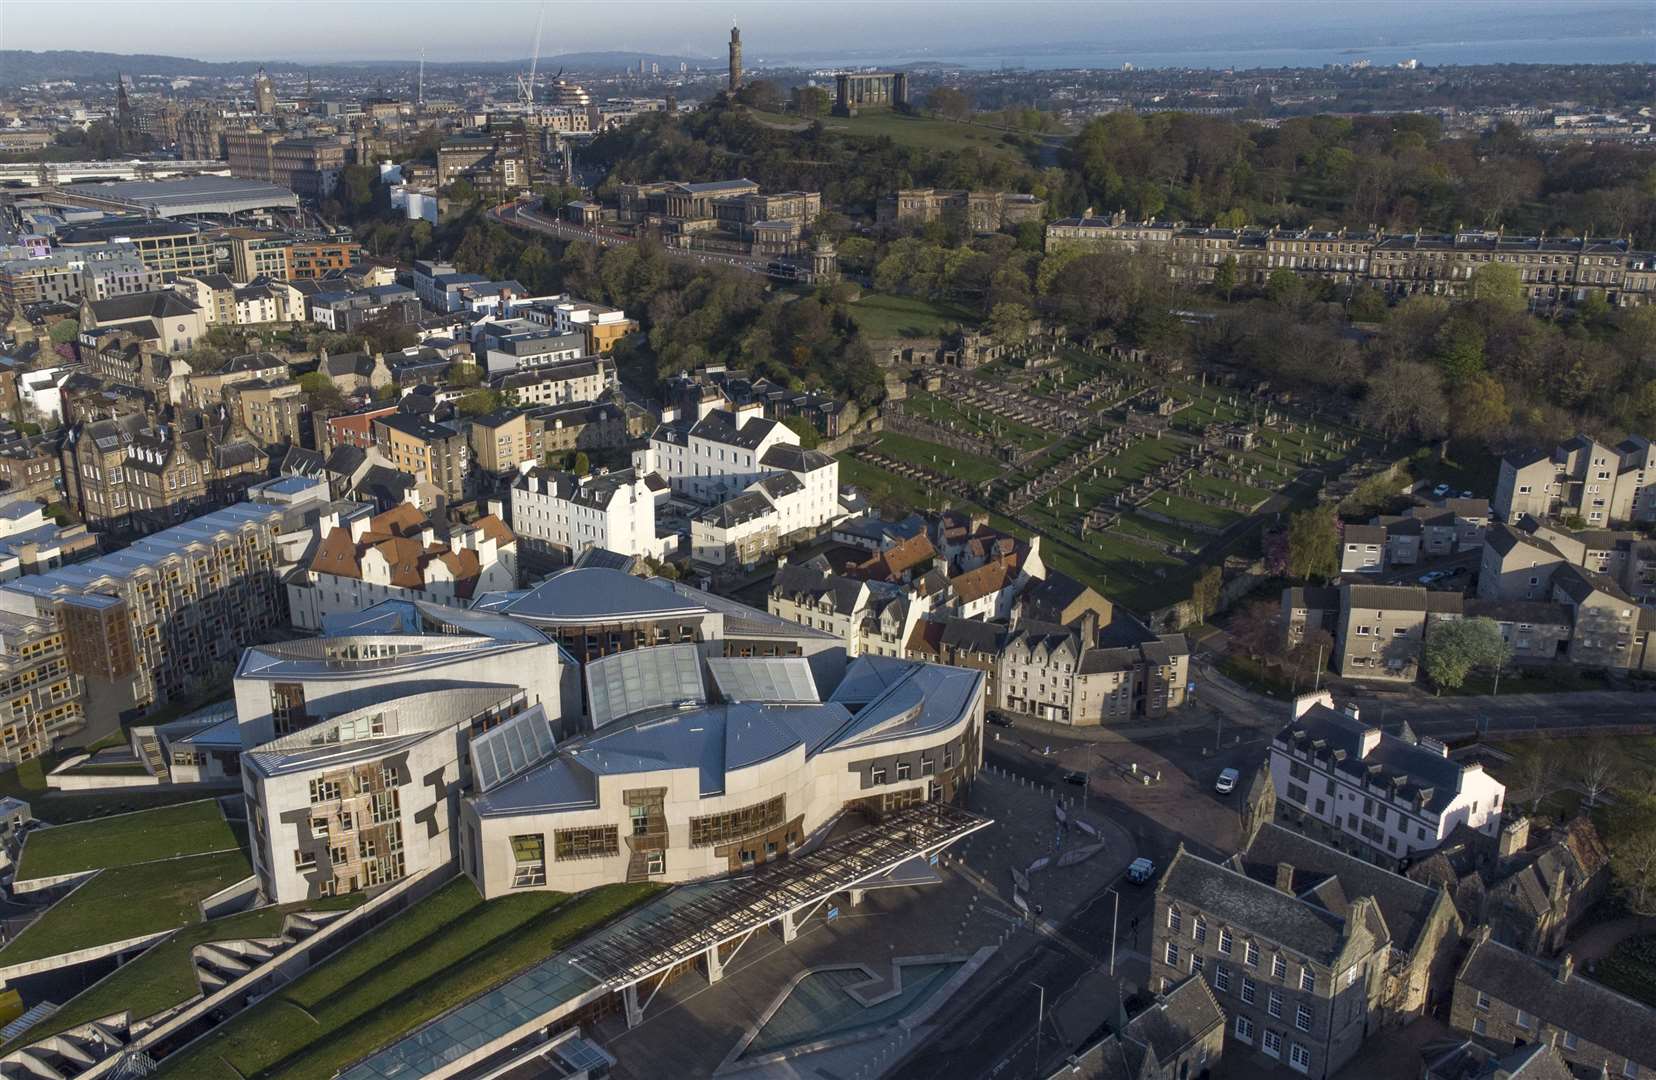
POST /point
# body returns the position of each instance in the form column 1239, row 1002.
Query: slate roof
column 1180, row 1017
column 1579, row 584
column 162, row 304
column 794, row 458
column 1386, row 597
column 810, row 584
column 732, row 512
column 1586, row 1009
column 1334, row 740
column 1365, row 534
column 1536, row 612
column 1251, row 907
column 1406, row 904
column 720, row 426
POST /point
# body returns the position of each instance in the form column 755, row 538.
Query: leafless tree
column 1535, row 773
column 1597, row 770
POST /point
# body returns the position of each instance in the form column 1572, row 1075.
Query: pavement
column 691, row 1026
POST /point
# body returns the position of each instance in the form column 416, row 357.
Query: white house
column 1397, row 795
column 714, row 456
column 556, row 511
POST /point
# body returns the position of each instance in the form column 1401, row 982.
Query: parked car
column 1431, row 577
column 1000, row 719
column 1227, row 781
column 1079, row 779
column 1140, row 871
column 1440, row 491
column 1466, row 495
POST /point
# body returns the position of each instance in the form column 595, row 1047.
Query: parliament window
column 529, row 860
column 737, row 824
column 586, row 843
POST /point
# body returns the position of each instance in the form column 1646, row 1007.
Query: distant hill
column 18, row 66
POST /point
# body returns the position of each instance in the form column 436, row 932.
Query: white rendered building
column 1396, row 795
column 714, row 456
column 556, row 511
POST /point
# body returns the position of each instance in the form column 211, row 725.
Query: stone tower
column 264, row 94
column 735, row 59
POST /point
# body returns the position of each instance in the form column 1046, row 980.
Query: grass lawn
column 881, row 315
column 166, row 832
column 443, row 951
column 950, row 462
column 128, row 902
column 1631, row 969
column 163, row 977
column 882, row 486
column 925, row 132
column 28, row 782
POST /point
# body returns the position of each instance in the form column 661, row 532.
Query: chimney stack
column 1514, row 837
column 1285, row 878
column 1566, row 968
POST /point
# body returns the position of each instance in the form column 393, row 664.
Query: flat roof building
column 191, row 196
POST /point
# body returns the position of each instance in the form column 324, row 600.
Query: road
column 523, row 216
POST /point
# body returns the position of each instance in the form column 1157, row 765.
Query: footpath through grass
column 167, row 832
column 127, row 902
column 446, row 949
column 164, row 977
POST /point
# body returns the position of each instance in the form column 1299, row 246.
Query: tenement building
column 40, row 696
column 1389, row 797
column 170, row 611
column 1504, row 997
column 1552, row 270
column 1301, row 977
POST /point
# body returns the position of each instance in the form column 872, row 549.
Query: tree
column 464, row 375
column 1597, row 769
column 1224, row 277
column 809, row 437
column 583, row 464
column 1009, row 324
column 322, row 392
column 478, row 403
column 1460, row 349
column 1204, row 594
column 811, row 101
column 1285, row 287
column 1454, row 648
column 1498, row 285
column 1313, row 544
column 1535, row 773
column 1406, row 398
column 1631, row 841
column 1256, row 630
column 1307, row 659
column 462, row 192
column 1480, row 408
column 950, row 102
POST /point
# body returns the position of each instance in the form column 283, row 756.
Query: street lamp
column 1040, row 1022
column 1115, row 919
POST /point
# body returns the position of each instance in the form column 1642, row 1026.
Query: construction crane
column 526, row 89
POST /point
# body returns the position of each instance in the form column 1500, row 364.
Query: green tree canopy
column 1313, row 544
column 1454, row 648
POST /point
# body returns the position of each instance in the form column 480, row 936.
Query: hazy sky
column 319, row 30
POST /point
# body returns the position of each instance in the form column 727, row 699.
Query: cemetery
column 1141, row 479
